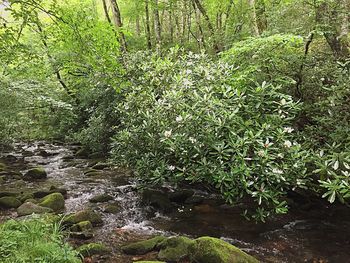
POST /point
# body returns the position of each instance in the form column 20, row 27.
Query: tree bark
column 254, row 21
column 119, row 25
column 148, row 26
column 105, row 9
column 157, row 26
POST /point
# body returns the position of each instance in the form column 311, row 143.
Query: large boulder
column 93, row 249
column 84, row 215
column 9, row 202
column 143, row 247
column 35, row 173
column 213, row 250
column 175, row 249
column 157, row 199
column 101, row 198
column 29, row 208
column 54, row 201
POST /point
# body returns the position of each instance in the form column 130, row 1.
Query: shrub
column 193, row 122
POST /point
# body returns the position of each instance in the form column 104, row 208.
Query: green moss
column 9, row 202
column 93, row 249
column 36, row 173
column 143, row 247
column 174, row 249
column 213, row 250
column 84, row 215
column 82, row 226
column 54, row 201
column 30, row 208
column 101, row 198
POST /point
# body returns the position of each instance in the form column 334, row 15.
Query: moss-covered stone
column 25, row 196
column 81, row 226
column 101, row 198
column 36, row 173
column 175, row 249
column 30, row 208
column 93, row 249
column 112, row 209
column 54, row 201
column 82, row 153
column 143, row 247
column 9, row 202
column 84, row 215
column 213, row 250
column 5, row 193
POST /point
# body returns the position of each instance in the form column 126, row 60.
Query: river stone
column 54, row 201
column 5, row 193
column 81, row 226
column 213, row 250
column 82, row 153
column 93, row 249
column 194, row 200
column 101, row 198
column 180, row 196
column 29, row 208
column 36, row 173
column 143, row 247
column 84, row 215
column 112, row 209
column 157, row 199
column 25, row 196
column 175, row 249
column 9, row 202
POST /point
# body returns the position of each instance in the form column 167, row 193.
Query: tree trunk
column 118, row 23
column 209, row 24
column 157, row 26
column 148, row 26
column 254, row 21
column 105, row 9
column 138, row 26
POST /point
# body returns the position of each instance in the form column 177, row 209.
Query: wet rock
column 194, row 200
column 213, row 250
column 36, row 173
column 157, row 199
column 85, row 235
column 68, row 158
column 112, row 209
column 180, row 196
column 25, row 196
column 84, row 215
column 93, row 249
column 101, row 198
column 5, row 193
column 143, row 247
column 53, row 189
column 29, row 208
column 9, row 202
column 100, row 166
column 54, row 201
column 63, row 191
column 93, row 172
column 81, row 226
column 175, row 249
column 82, row 153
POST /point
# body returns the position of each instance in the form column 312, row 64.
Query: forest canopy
column 247, row 97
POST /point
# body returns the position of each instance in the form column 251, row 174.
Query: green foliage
column 34, row 240
column 189, row 120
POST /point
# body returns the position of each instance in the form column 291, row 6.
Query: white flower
column 188, row 71
column 179, row 119
column 288, row 129
column 167, row 134
column 171, row 167
column 187, row 83
column 277, row 171
column 261, row 153
column 283, row 102
column 193, row 140
column 287, row 144
column 267, row 143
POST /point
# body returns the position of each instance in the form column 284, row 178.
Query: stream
column 308, row 234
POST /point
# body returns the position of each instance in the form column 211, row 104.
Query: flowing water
column 316, row 235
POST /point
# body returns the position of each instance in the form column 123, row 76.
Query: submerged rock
column 29, row 208
column 213, row 250
column 180, row 196
column 143, row 247
column 157, row 199
column 9, row 202
column 36, row 173
column 175, row 249
column 84, row 215
column 54, row 201
column 93, row 249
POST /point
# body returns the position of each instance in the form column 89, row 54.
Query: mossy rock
column 101, row 198
column 36, row 173
column 54, row 201
column 9, row 202
column 149, row 262
column 25, row 196
column 213, row 250
column 81, row 226
column 157, row 199
column 93, row 249
column 5, row 193
column 112, row 209
column 30, row 208
column 84, row 215
column 175, row 249
column 82, row 153
column 143, row 247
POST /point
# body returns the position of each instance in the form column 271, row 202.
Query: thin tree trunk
column 148, row 27
column 138, row 26
column 157, row 26
column 210, row 26
column 201, row 38
column 254, row 21
column 105, row 9
column 118, row 23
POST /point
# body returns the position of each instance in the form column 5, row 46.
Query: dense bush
column 34, row 240
column 188, row 119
